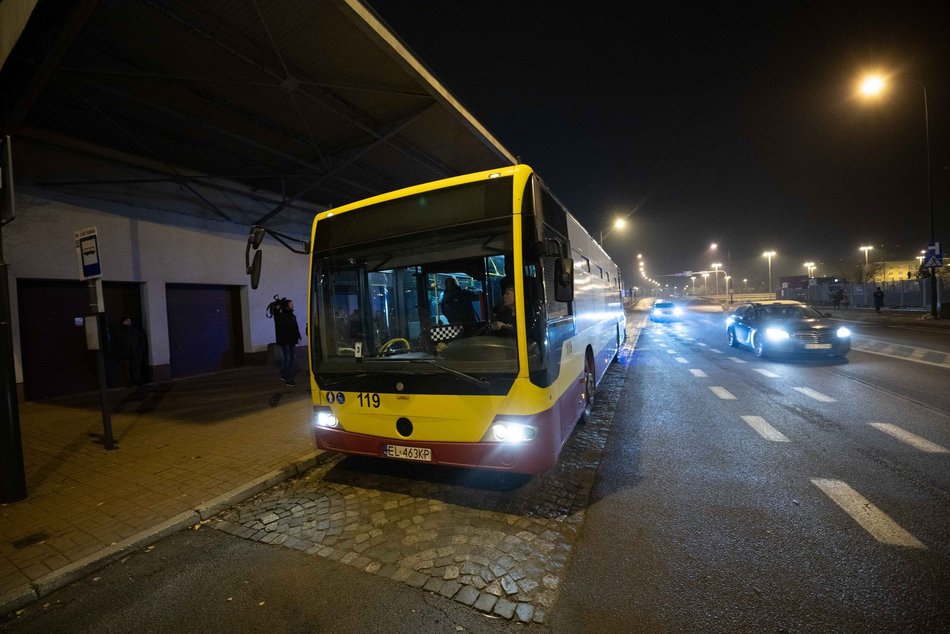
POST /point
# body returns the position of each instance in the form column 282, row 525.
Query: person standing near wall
column 128, row 348
column 878, row 299
column 288, row 335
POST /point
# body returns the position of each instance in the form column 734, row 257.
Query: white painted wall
column 153, row 249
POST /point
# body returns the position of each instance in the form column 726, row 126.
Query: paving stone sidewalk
column 186, row 450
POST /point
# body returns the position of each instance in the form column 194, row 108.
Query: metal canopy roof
column 240, row 110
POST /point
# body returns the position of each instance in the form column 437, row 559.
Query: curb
column 24, row 595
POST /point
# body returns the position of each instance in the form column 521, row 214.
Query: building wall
column 151, row 248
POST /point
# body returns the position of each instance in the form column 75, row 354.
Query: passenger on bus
column 457, row 303
column 503, row 315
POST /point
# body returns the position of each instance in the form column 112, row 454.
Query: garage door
column 204, row 328
column 53, row 335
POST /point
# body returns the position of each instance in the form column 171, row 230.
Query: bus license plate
column 818, row 346
column 421, row 454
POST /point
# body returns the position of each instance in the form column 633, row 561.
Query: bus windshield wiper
column 483, row 383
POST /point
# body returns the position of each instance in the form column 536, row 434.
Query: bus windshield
column 429, row 299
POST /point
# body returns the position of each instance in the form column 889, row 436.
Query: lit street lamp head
column 872, row 85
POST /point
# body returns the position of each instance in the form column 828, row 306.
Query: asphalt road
column 721, row 502
column 723, row 493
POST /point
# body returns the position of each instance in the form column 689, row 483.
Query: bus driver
column 503, row 315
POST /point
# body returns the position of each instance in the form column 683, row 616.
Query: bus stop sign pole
column 12, row 472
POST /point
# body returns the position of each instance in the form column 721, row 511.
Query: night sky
column 709, row 122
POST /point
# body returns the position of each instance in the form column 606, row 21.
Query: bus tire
column 590, row 387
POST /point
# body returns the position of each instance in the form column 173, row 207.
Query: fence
column 899, row 294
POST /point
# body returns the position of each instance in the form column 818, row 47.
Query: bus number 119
column 368, row 400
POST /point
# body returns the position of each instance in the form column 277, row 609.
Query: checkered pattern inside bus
column 445, row 333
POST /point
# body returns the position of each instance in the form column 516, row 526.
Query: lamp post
column 726, row 280
column 769, row 255
column 872, row 86
column 713, row 247
column 705, row 284
column 619, row 223
column 810, row 267
column 745, row 284
column 692, row 278
column 716, row 266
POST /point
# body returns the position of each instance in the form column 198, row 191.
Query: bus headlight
column 844, row 332
column 325, row 418
column 775, row 334
column 511, row 432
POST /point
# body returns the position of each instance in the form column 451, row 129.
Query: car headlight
column 325, row 418
column 511, row 432
column 730, row 320
column 775, row 334
column 843, row 332
column 677, row 311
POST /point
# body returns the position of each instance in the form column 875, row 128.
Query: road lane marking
column 818, row 396
column 768, row 373
column 872, row 519
column 738, row 360
column 701, row 343
column 885, row 349
column 698, row 373
column 716, row 351
column 722, row 393
column 671, row 351
column 681, row 359
column 765, row 430
column 910, row 438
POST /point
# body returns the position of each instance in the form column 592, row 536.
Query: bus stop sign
column 87, row 250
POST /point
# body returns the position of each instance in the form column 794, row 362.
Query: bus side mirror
column 564, row 280
column 253, row 268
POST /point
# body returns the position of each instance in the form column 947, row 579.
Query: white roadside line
column 818, row 396
column 861, row 348
column 765, row 430
column 738, row 360
column 910, row 438
column 872, row 519
column 768, row 373
column 681, row 359
column 722, row 393
column 698, row 373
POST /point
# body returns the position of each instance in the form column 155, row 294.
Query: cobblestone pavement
column 496, row 542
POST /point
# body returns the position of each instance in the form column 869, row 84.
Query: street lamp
column 726, row 280
column 745, row 284
column 810, row 267
column 769, row 255
column 619, row 223
column 705, row 285
column 871, row 86
column 716, row 266
column 692, row 278
column 865, row 249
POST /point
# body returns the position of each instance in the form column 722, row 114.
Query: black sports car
column 786, row 328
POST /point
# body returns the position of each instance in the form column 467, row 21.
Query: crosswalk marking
column 765, row 430
column 768, row 373
column 881, row 348
column 738, row 360
column 872, row 519
column 698, row 373
column 818, row 396
column 910, row 438
column 722, row 393
column 681, row 359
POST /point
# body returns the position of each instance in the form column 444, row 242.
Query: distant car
column 665, row 311
column 786, row 328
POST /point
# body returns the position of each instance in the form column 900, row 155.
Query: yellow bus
column 463, row 322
